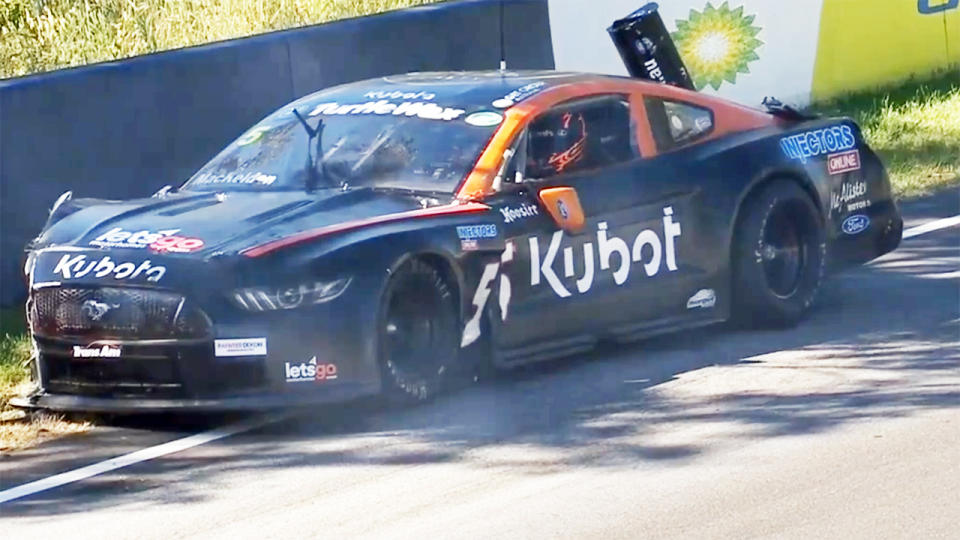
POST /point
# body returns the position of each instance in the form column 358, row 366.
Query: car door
column 631, row 262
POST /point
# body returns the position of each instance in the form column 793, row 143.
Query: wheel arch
column 756, row 187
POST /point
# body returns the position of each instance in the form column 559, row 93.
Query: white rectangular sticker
column 240, row 347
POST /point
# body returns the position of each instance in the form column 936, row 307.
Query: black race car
column 392, row 234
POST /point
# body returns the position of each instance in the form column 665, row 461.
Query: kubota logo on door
column 161, row 241
column 647, row 248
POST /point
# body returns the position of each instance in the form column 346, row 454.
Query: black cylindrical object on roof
column 647, row 50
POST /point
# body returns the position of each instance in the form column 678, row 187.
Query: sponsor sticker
column 421, row 109
column 843, row 162
column 379, row 94
column 523, row 211
column 808, row 144
column 849, row 198
column 236, row 178
column 518, row 95
column 176, row 244
column 105, row 351
column 309, row 371
column 163, row 241
column 704, row 298
column 240, row 347
column 650, row 248
column 484, row 119
column 473, row 232
column 120, row 238
column 855, row 224
column 77, row 266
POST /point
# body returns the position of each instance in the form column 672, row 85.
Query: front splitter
column 259, row 402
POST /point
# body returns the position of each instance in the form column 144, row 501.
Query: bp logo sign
column 717, row 44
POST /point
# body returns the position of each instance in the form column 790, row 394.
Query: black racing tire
column 778, row 256
column 418, row 333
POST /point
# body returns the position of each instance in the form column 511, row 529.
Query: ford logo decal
column 855, row 224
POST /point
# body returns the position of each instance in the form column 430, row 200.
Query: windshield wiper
column 316, row 161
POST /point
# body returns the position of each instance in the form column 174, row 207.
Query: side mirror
column 563, row 204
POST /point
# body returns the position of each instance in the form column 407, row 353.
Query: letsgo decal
column 309, row 371
column 161, row 241
column 814, row 143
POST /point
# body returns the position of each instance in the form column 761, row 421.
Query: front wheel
column 417, row 333
column 779, row 255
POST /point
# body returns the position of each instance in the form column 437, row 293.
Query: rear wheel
column 779, row 254
column 418, row 332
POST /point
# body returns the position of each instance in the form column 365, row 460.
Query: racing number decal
column 471, row 331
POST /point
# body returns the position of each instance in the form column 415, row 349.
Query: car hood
column 204, row 224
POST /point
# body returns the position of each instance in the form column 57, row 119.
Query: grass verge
column 914, row 126
column 21, row 429
column 43, row 35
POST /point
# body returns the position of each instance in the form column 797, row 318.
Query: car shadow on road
column 883, row 342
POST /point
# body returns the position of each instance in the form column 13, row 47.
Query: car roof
column 465, row 89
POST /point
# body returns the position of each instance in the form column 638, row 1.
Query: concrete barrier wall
column 124, row 129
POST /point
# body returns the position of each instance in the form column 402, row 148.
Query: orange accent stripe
column 729, row 118
column 312, row 234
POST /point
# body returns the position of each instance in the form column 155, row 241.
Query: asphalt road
column 847, row 426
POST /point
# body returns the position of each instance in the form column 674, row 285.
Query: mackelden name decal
column 809, row 144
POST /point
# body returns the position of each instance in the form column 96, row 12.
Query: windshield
column 362, row 146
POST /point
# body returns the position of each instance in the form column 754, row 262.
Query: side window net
column 580, row 135
column 676, row 124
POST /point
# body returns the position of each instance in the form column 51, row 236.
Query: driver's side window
column 579, row 135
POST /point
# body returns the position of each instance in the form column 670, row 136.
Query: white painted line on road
column 931, row 226
column 139, row 456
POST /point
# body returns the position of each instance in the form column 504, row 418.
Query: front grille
column 115, row 312
column 171, row 370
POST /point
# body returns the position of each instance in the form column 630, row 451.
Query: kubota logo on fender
column 647, row 246
column 77, row 266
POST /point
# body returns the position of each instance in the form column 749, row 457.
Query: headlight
column 270, row 299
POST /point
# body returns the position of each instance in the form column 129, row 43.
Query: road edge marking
column 931, row 226
column 139, row 456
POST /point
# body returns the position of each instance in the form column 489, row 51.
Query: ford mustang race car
column 397, row 233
